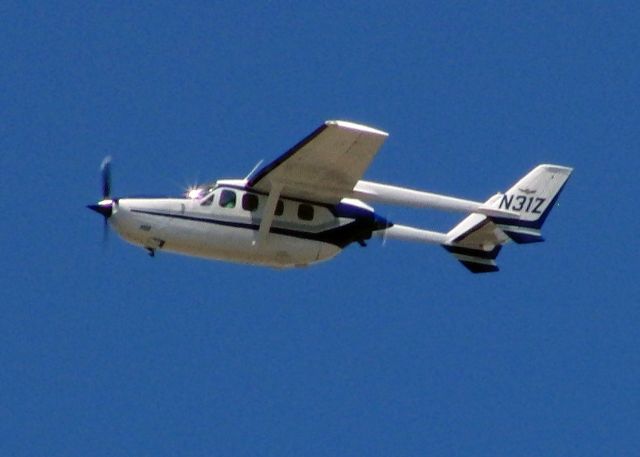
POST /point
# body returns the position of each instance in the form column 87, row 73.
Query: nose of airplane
column 104, row 207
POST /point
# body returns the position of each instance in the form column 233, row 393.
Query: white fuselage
column 224, row 224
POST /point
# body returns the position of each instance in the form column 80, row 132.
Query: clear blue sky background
column 382, row 351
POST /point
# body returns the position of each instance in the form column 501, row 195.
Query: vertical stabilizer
column 516, row 215
column 530, row 201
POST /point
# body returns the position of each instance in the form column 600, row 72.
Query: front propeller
column 105, row 171
column 105, row 206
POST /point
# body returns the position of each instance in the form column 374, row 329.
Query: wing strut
column 268, row 214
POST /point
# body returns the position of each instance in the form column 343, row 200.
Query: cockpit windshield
column 198, row 192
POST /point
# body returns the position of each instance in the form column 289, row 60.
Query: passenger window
column 227, row 199
column 279, row 208
column 249, row 202
column 305, row 212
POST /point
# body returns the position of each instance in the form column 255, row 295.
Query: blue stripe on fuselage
column 360, row 229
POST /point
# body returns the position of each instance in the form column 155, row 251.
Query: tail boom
column 406, row 233
column 517, row 215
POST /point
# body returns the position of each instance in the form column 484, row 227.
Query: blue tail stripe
column 479, row 267
column 489, row 255
column 523, row 238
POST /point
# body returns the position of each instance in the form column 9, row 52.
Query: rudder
column 530, row 200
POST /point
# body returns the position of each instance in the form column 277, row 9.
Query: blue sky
column 393, row 350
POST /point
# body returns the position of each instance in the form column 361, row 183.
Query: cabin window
column 227, row 199
column 279, row 208
column 305, row 212
column 249, row 202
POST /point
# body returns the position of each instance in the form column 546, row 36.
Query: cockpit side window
column 227, row 199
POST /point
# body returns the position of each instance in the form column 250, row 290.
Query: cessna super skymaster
column 310, row 203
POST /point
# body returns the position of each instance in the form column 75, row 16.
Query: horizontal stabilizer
column 476, row 242
column 476, row 260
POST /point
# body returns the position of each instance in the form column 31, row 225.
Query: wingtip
column 355, row 126
column 556, row 168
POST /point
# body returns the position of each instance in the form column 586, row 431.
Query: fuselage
column 222, row 221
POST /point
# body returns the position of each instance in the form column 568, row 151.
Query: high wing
column 325, row 166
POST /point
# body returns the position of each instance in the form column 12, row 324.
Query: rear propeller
column 105, row 206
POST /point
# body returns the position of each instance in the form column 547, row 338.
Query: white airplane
column 310, row 203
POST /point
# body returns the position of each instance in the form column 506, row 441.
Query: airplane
column 310, row 203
